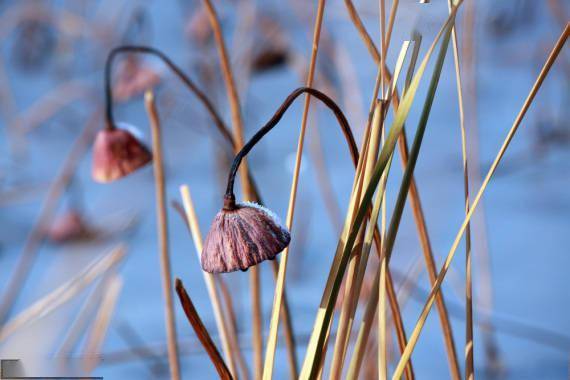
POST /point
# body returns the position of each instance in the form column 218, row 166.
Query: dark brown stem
column 110, row 119
column 201, row 331
column 229, row 198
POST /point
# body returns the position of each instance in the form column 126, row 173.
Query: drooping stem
column 229, row 198
column 109, row 115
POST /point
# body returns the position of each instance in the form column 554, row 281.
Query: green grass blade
column 324, row 314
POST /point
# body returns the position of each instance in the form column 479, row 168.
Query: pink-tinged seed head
column 242, row 237
column 116, row 154
column 67, row 227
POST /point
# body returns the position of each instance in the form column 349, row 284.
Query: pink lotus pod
column 67, row 227
column 133, row 79
column 241, row 236
column 198, row 27
column 117, row 153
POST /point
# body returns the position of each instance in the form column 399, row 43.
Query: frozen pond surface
column 527, row 206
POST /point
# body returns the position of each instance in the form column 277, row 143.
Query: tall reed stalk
column 237, row 124
column 469, row 361
column 480, row 244
column 279, row 288
column 162, row 225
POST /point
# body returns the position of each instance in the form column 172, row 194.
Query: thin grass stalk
column 232, row 321
column 162, row 225
column 290, row 341
column 415, row 204
column 351, row 292
column 279, row 288
column 386, row 37
column 382, row 5
column 391, row 19
column 355, row 193
column 485, row 282
column 29, row 252
column 379, row 237
column 201, row 332
column 359, row 347
column 421, row 225
column 406, row 180
column 368, row 319
column 237, row 124
column 256, row 321
column 441, row 276
column 469, row 344
column 351, row 281
column 222, row 322
column 382, row 336
column 324, row 314
column 382, row 342
column 379, row 289
column 101, row 323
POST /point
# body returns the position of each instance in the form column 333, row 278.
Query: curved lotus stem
column 110, row 120
column 229, row 198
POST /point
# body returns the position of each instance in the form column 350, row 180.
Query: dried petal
column 243, row 237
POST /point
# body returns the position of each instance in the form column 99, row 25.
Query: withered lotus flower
column 69, row 226
column 242, row 235
column 117, row 153
column 133, row 79
column 245, row 234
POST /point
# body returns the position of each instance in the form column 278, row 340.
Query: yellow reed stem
column 162, row 225
column 232, row 93
column 278, row 296
column 209, row 280
column 441, row 276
